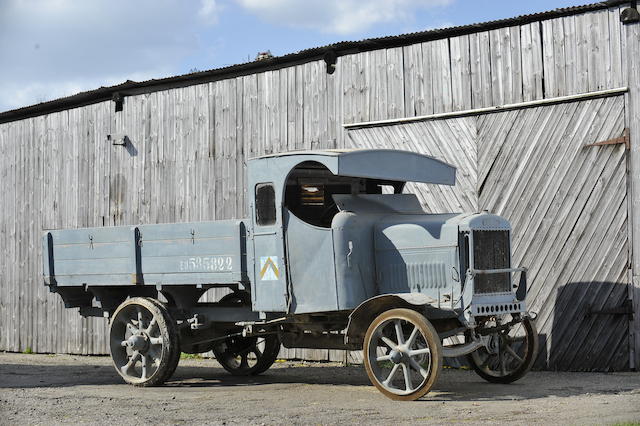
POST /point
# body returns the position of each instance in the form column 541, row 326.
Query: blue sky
column 55, row 48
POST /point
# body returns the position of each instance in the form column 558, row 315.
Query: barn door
column 567, row 202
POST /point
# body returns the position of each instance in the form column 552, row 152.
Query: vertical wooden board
column 271, row 111
column 412, row 79
column 481, row 79
column 118, row 201
column 362, row 75
column 249, row 115
column 496, row 53
column 283, row 102
column 460, row 73
column 618, row 73
column 293, row 114
column 3, row 201
column 4, row 232
column 21, row 169
column 548, row 52
column 249, row 107
column 377, row 102
column 335, row 132
column 240, row 159
column 601, row 51
column 149, row 152
column 394, row 83
column 315, row 106
column 181, row 155
column 513, row 34
column 225, row 140
column 440, row 75
column 506, row 64
column 221, row 105
column 571, row 54
column 631, row 37
column 201, row 141
column 582, row 49
column 348, row 89
column 559, row 59
column 532, row 63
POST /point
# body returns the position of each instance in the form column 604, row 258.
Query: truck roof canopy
column 383, row 164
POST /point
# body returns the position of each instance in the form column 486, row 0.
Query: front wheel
column 402, row 354
column 509, row 352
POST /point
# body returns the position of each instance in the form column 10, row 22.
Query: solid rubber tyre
column 402, row 355
column 142, row 330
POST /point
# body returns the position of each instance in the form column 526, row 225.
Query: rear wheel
column 402, row 354
column 246, row 356
column 144, row 342
column 509, row 353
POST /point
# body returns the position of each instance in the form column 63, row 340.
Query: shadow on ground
column 453, row 385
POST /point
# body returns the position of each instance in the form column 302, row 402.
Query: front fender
column 367, row 311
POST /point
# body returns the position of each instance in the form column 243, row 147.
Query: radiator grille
column 491, row 251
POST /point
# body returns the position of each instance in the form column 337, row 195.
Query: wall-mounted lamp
column 330, row 58
column 630, row 14
column 119, row 100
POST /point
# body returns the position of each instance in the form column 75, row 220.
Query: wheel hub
column 396, row 356
column 138, row 342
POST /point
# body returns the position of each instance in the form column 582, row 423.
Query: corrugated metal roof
column 340, row 49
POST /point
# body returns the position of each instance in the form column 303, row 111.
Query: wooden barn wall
column 189, row 145
column 567, row 204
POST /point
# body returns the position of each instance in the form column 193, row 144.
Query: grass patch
column 28, row 351
column 184, row 355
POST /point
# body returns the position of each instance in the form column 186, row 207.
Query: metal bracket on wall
column 624, row 139
column 625, row 309
column 118, row 139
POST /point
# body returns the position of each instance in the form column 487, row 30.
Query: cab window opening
column 265, row 204
column 310, row 188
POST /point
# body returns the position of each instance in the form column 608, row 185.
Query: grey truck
column 334, row 255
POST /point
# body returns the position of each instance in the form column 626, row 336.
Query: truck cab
column 333, row 229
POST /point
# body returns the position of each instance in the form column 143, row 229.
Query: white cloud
column 209, row 11
column 55, row 48
column 338, row 16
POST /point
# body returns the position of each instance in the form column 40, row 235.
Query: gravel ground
column 62, row 389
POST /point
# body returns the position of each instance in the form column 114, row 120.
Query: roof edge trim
column 131, row 88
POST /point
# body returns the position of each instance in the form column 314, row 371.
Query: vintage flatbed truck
column 333, row 255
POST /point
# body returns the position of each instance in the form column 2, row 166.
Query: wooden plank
column 481, row 82
column 631, row 34
column 515, row 73
column 440, row 74
column 616, row 76
column 582, row 29
column 532, row 63
column 460, row 73
column 394, row 83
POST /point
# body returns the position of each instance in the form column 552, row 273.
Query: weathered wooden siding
column 568, row 208
column 189, row 145
column 567, row 204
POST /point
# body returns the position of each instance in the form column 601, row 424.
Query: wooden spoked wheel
column 144, row 342
column 509, row 353
column 246, row 356
column 402, row 354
